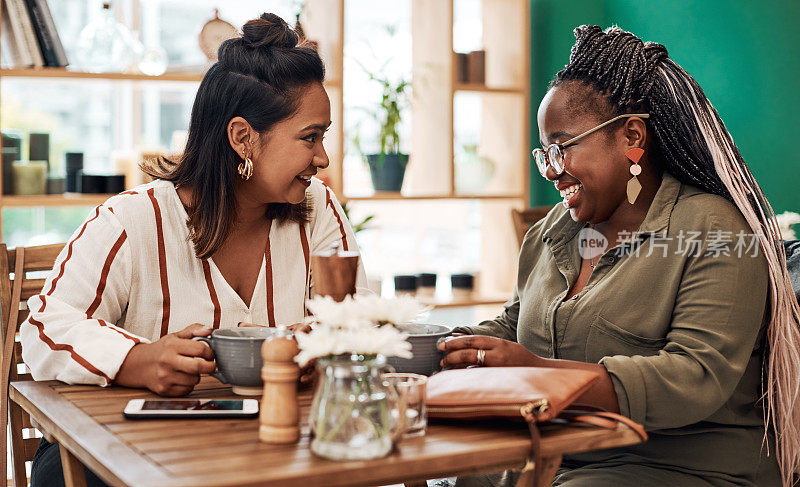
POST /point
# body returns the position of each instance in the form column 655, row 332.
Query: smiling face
column 596, row 170
column 285, row 157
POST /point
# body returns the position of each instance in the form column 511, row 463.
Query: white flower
column 356, row 311
column 785, row 221
column 397, row 311
column 325, row 340
column 343, row 315
column 354, row 326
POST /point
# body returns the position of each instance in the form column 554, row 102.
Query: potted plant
column 387, row 168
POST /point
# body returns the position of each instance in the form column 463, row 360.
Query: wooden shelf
column 67, row 74
column 67, row 199
column 61, row 73
column 479, row 88
column 76, row 199
column 456, row 303
column 388, row 196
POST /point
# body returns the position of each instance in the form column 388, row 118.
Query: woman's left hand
column 463, row 351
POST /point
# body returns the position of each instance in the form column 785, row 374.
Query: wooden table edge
column 132, row 467
column 514, row 456
column 410, row 479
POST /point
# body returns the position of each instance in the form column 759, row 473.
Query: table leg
column 74, row 475
column 547, row 470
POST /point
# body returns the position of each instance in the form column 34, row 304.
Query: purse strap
column 529, row 472
column 606, row 419
column 600, row 418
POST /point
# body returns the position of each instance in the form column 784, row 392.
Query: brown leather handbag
column 533, row 394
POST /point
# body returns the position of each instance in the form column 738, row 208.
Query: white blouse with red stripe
column 129, row 274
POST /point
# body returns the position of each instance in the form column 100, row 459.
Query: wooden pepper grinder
column 280, row 413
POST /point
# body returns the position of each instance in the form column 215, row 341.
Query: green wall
column 745, row 55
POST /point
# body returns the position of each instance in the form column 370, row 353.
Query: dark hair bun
column 268, row 53
column 269, row 30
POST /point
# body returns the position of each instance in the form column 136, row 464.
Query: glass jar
column 354, row 414
column 105, row 45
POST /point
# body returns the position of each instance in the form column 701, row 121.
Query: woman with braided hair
column 662, row 270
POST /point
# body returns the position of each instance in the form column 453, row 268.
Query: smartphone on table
column 191, row 408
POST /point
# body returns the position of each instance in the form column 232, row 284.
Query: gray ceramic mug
column 423, row 339
column 237, row 352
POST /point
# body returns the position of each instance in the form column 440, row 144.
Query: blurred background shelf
column 61, row 73
column 67, row 74
column 66, row 199
column 478, row 88
column 472, row 301
column 400, row 196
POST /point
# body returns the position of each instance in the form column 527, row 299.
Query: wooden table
column 87, row 421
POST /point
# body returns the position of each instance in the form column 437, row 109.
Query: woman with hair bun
column 222, row 236
column 663, row 270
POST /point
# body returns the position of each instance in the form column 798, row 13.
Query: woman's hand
column 462, row 351
column 308, row 374
column 170, row 366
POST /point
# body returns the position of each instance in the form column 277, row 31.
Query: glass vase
column 105, row 45
column 354, row 412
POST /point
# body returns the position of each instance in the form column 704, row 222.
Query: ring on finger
column 481, row 357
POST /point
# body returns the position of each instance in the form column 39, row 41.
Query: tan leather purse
column 533, row 394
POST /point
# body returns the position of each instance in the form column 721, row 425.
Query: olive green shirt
column 676, row 316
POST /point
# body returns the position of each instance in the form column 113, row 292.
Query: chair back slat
column 5, row 288
column 31, row 444
column 26, row 420
column 22, row 370
column 31, row 287
column 524, row 219
column 23, row 315
column 38, row 258
column 22, row 377
column 35, row 259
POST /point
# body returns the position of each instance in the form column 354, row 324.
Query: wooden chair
column 524, row 219
column 15, row 289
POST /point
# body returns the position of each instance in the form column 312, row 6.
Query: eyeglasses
column 553, row 156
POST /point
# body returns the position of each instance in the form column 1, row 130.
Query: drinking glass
column 411, row 391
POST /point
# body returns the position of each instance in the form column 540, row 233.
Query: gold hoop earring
column 246, row 168
column 634, row 186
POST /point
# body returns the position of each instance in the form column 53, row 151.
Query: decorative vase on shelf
column 148, row 59
column 105, row 45
column 354, row 414
column 473, row 170
column 153, row 61
column 213, row 34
